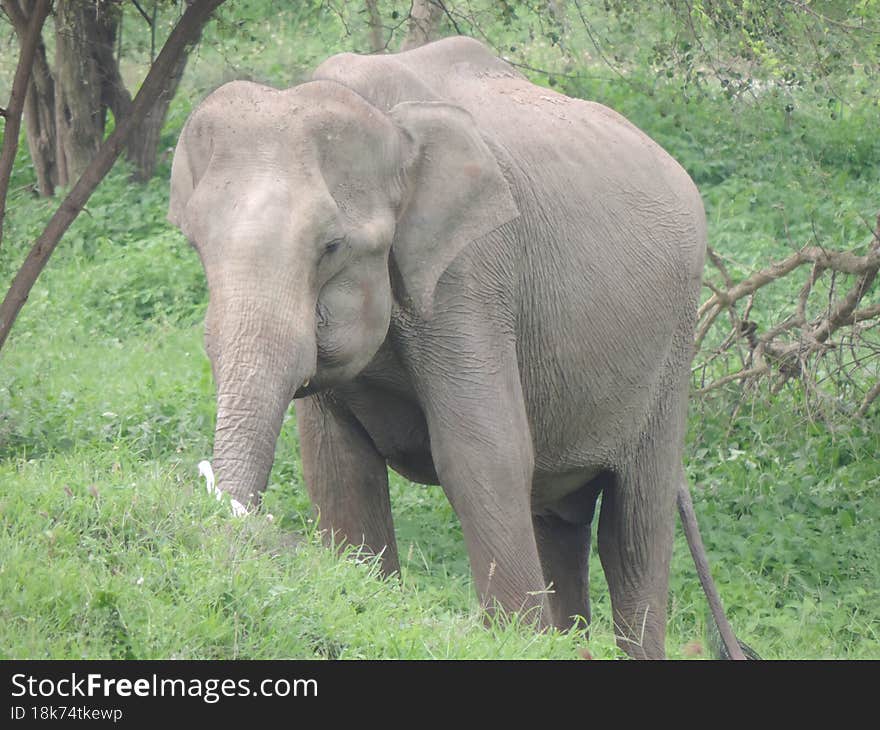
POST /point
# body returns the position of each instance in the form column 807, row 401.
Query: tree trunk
column 143, row 142
column 424, row 20
column 39, row 118
column 184, row 34
column 39, row 105
column 377, row 40
column 88, row 83
column 15, row 108
column 85, row 33
column 143, row 145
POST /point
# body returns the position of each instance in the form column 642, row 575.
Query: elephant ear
column 456, row 194
column 186, row 171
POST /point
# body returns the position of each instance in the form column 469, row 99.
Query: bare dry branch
column 755, row 372
column 796, row 346
column 842, row 261
column 870, row 397
column 719, row 264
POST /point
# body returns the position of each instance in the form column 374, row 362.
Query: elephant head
column 299, row 204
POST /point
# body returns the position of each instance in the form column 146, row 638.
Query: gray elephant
column 476, row 281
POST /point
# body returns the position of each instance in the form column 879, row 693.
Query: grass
column 110, row 547
column 137, row 562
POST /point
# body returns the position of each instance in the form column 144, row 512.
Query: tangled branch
column 798, row 345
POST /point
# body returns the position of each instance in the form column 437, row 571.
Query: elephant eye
column 333, row 246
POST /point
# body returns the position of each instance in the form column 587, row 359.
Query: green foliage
column 736, row 43
column 792, row 522
column 118, row 303
column 111, row 548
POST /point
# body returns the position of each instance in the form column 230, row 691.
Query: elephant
column 478, row 282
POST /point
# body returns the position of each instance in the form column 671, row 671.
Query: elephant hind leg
column 636, row 527
column 347, row 479
column 564, row 550
column 562, row 534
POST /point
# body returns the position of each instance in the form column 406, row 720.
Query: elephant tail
column 729, row 647
column 715, row 643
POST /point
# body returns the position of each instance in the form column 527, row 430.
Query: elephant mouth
column 308, row 388
column 305, row 390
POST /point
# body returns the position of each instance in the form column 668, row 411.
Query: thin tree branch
column 142, row 12
column 27, row 49
column 870, row 397
column 16, row 17
column 831, row 21
column 449, row 16
column 762, row 369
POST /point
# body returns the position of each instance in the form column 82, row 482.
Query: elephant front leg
column 347, row 479
column 482, row 450
column 500, row 539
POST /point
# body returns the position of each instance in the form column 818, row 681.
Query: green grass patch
column 110, row 556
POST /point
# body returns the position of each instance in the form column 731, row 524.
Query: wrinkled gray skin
column 476, row 281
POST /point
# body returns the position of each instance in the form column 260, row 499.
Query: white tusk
column 205, row 470
column 306, row 384
column 238, row 509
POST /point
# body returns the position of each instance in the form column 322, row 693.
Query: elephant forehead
column 239, row 209
column 307, row 136
column 324, row 111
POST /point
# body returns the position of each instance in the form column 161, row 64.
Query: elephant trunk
column 257, row 370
